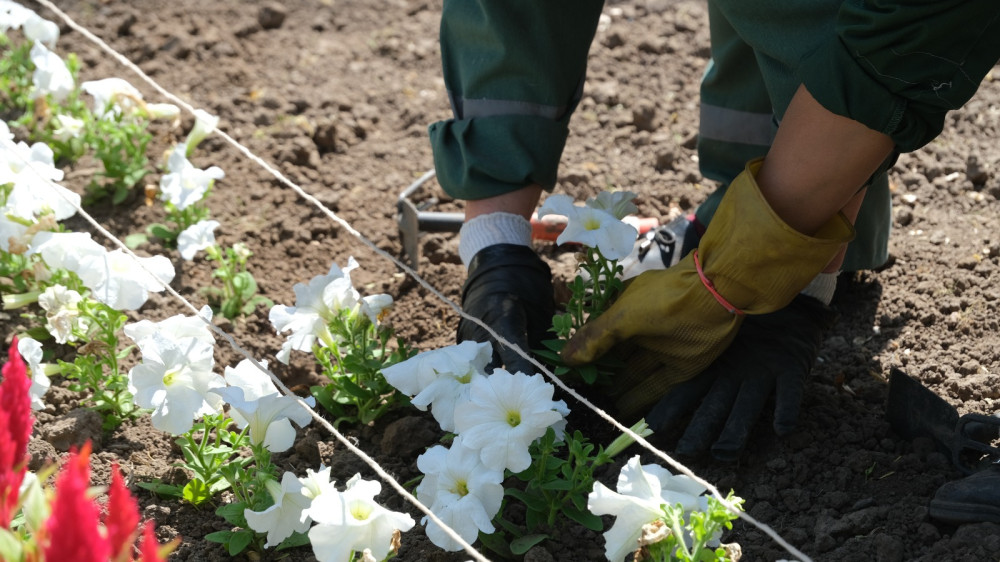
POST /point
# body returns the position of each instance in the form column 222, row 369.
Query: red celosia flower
column 122, row 519
column 149, row 548
column 74, row 528
column 15, row 431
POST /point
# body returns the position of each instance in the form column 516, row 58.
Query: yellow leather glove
column 673, row 323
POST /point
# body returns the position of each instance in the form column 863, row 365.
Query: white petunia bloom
column 37, row 28
column 351, row 521
column 617, row 203
column 113, row 96
column 269, row 417
column 13, row 15
column 33, row 173
column 505, row 413
column 196, row 238
column 286, row 516
column 123, row 282
column 440, row 378
column 376, row 306
column 11, row 231
column 460, row 491
column 254, row 382
column 65, row 250
column 592, row 227
column 642, row 490
column 185, row 185
column 62, row 315
column 31, row 351
column 317, row 483
column 187, row 332
column 204, row 124
column 257, row 402
column 51, row 76
column 175, row 379
column 165, row 111
column 316, row 304
column 67, row 127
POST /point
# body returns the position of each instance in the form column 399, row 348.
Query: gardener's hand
column 679, row 320
column 772, row 353
column 509, row 288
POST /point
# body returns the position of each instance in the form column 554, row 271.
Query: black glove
column 772, row 353
column 509, row 288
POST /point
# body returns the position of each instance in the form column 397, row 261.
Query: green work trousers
column 515, row 71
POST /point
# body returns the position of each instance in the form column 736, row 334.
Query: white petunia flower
column 505, row 413
column 592, row 227
column 113, row 96
column 269, row 417
column 196, row 237
column 257, row 402
column 376, row 306
column 618, row 203
column 33, row 173
column 242, row 251
column 317, row 483
column 123, row 282
column 67, row 127
column 642, row 490
column 286, row 516
column 440, row 378
column 185, row 185
column 51, row 76
column 65, row 250
column 37, row 28
column 165, row 111
column 11, row 231
column 175, row 379
column 62, row 315
column 178, row 328
column 351, row 521
column 254, row 382
column 316, row 305
column 204, row 124
column 460, row 491
column 31, row 351
column 13, row 15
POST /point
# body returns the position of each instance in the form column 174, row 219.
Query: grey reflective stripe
column 467, row 109
column 732, row 125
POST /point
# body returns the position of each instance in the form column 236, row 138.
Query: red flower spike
column 122, row 519
column 149, row 548
column 74, row 527
column 15, row 431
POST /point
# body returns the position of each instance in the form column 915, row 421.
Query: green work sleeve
column 898, row 66
column 514, row 70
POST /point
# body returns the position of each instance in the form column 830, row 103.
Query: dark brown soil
column 338, row 97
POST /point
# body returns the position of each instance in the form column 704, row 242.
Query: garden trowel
column 913, row 411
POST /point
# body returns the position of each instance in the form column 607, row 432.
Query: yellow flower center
column 461, row 488
column 591, row 223
column 169, row 376
column 360, row 510
column 513, row 418
column 466, row 378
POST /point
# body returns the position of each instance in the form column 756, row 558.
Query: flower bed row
column 506, row 438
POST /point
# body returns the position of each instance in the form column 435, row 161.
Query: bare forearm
column 519, row 202
column 817, row 163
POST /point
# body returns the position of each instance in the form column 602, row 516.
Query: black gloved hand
column 772, row 353
column 509, row 288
